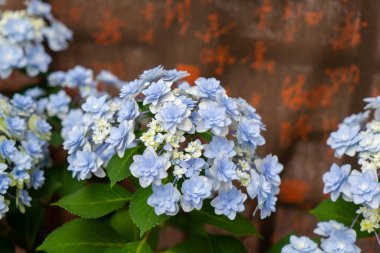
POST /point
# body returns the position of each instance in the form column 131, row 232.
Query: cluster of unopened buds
column 196, row 142
column 22, row 37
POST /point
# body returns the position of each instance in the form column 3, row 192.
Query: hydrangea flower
column 345, row 140
column 149, row 167
column 301, row 245
column 335, row 180
column 164, row 199
column 23, row 34
column 85, row 163
column 363, row 188
column 23, row 150
column 212, row 117
column 229, row 202
column 197, row 142
column 194, row 191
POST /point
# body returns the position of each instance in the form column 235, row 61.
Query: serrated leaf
column 240, row 226
column 341, row 211
column 122, row 223
column 82, row 236
column 95, row 200
column 142, row 214
column 118, row 168
column 211, row 243
column 133, row 247
column 276, row 248
column 207, row 136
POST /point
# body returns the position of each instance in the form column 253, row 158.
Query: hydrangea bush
column 24, row 152
column 197, row 143
column 22, row 37
column 354, row 192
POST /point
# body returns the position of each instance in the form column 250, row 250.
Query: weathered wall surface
column 304, row 64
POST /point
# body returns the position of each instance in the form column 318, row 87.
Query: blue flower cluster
column 22, row 34
column 358, row 134
column 24, row 152
column 198, row 143
column 335, row 238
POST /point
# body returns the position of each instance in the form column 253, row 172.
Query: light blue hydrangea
column 57, row 36
column 129, row 110
column 20, row 176
column 174, row 75
column 369, row 142
column 249, row 112
column 37, row 179
column 18, row 29
column 173, row 116
column 372, row 103
column 79, row 77
column 57, row 78
column 363, row 188
column 223, row 169
column 193, row 166
column 208, row 88
column 121, row 138
column 357, row 119
column 132, row 89
column 194, row 191
column 212, row 117
column 75, row 141
column 11, row 56
column 231, row 106
column 157, row 93
column 42, row 128
column 270, row 168
column 335, row 180
column 33, row 148
column 152, row 75
column 301, row 245
column 340, row 242
column 259, row 187
column 22, row 161
column 35, row 93
column 5, row 182
column 85, row 163
column 229, row 202
column 96, row 107
column 23, row 105
column 219, row 146
column 72, row 119
column 149, row 167
column 15, row 125
column 7, row 148
column 37, row 60
column 248, row 134
column 165, row 199
column 345, row 140
column 37, row 7
column 326, row 228
column 58, row 104
column 24, row 198
column 107, row 77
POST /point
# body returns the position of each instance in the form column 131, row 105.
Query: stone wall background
column 304, row 65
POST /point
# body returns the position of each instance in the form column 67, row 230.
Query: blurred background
column 304, row 65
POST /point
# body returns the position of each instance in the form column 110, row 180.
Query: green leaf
column 51, row 185
column 276, row 248
column 118, row 168
column 95, row 200
column 341, row 211
column 56, row 139
column 122, row 223
column 240, row 226
column 207, row 136
column 142, row 214
column 211, row 243
column 133, row 247
column 82, row 236
column 69, row 184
